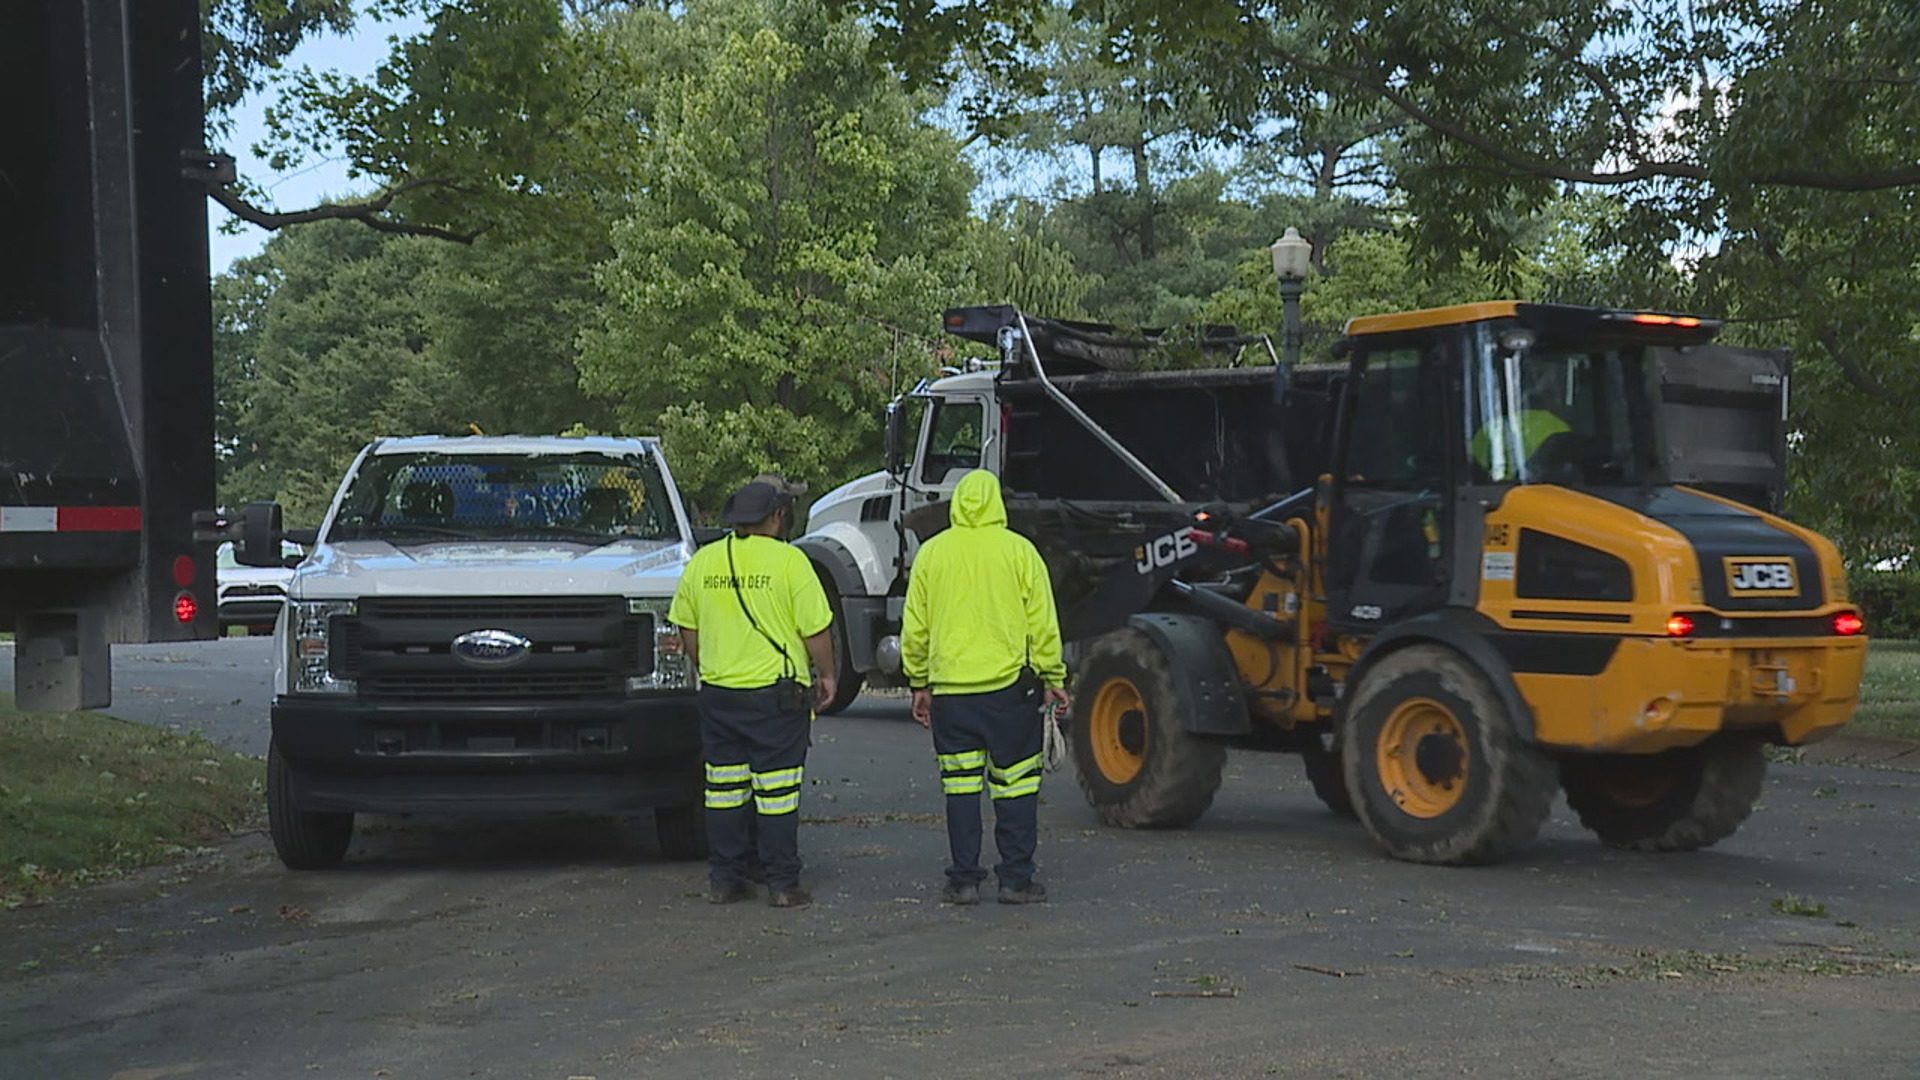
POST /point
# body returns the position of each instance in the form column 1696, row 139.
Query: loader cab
column 1445, row 410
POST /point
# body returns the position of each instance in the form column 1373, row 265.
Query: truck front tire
column 1437, row 768
column 304, row 840
column 847, row 680
column 1138, row 767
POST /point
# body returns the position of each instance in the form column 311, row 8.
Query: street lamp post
column 1292, row 262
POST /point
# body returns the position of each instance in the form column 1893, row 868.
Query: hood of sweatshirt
column 976, row 502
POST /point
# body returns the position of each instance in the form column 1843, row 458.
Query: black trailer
column 106, row 419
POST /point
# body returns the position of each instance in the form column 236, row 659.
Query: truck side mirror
column 259, row 543
column 895, row 459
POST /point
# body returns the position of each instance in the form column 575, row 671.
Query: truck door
column 955, row 437
column 1388, row 540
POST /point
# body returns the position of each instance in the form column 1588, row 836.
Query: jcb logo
column 1762, row 577
column 1164, row 551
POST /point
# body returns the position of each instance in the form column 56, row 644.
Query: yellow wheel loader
column 1485, row 585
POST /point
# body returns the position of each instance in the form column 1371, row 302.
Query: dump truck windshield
column 1542, row 414
column 594, row 498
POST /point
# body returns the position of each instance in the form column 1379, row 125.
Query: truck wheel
column 682, row 832
column 1438, row 771
column 1329, row 780
column 847, row 680
column 304, row 840
column 1678, row 800
column 1138, row 767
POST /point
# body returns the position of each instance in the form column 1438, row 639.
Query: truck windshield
column 1553, row 415
column 590, row 498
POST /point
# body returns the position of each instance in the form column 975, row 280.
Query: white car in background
column 252, row 596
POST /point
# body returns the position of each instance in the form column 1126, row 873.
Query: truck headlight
column 309, row 644
column 670, row 668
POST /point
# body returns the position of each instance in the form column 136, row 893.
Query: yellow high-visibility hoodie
column 979, row 602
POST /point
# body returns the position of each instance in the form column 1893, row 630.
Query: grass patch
column 85, row 796
column 1890, row 691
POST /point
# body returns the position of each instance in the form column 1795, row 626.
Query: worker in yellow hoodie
column 981, row 648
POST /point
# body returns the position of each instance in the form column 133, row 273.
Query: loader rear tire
column 1138, row 767
column 1438, row 770
column 1329, row 780
column 1677, row 800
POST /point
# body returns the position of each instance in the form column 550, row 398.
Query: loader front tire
column 1676, row 800
column 1437, row 768
column 1138, row 767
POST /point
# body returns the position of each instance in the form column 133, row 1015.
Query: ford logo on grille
column 491, row 648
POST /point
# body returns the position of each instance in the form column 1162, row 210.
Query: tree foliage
column 798, row 229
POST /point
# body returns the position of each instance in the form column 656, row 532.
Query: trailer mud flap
column 1211, row 699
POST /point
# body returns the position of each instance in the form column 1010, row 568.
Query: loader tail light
column 1680, row 626
column 1848, row 623
column 185, row 607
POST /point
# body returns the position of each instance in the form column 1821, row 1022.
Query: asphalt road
column 570, row 949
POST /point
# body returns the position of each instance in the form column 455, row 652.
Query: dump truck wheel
column 1138, row 767
column 1678, row 800
column 1329, row 780
column 304, row 840
column 1437, row 769
column 847, row 681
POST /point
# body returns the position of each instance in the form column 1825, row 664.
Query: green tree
column 336, row 335
column 797, row 222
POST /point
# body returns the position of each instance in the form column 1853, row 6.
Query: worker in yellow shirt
column 980, row 645
column 752, row 614
column 1506, row 444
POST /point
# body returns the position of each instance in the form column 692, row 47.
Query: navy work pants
column 756, row 763
column 997, row 734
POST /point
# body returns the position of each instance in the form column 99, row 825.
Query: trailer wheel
column 847, row 680
column 1678, row 800
column 1437, row 768
column 1329, row 780
column 304, row 839
column 1138, row 767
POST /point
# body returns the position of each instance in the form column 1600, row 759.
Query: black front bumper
column 600, row 757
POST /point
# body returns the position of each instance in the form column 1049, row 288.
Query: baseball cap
column 791, row 488
column 753, row 504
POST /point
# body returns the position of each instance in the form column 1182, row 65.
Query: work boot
column 960, row 892
column 792, row 896
column 1031, row 893
column 729, row 893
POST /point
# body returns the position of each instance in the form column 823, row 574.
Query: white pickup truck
column 480, row 626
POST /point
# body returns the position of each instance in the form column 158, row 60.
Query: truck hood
column 481, row 568
column 842, row 504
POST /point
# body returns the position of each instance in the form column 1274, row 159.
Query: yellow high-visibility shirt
column 1535, row 426
column 979, row 602
column 780, row 588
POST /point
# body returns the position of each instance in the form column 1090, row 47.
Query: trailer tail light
column 1680, row 626
column 184, row 571
column 185, row 607
column 1848, row 623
